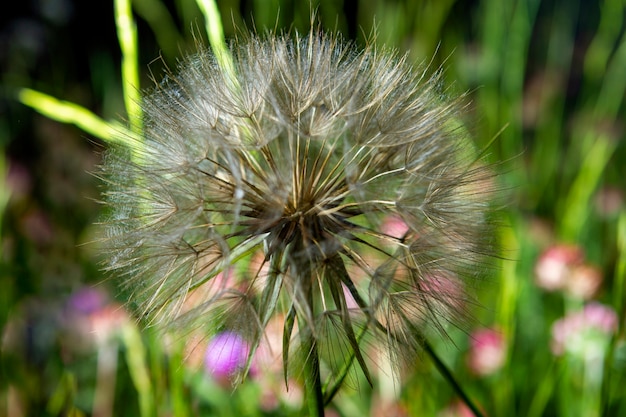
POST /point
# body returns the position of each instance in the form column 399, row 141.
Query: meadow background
column 546, row 78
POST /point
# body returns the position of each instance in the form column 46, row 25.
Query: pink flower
column 584, row 281
column 563, row 268
column 448, row 293
column 226, row 356
column 456, row 409
column 487, row 352
column 394, row 226
column 555, row 264
column 584, row 332
column 87, row 300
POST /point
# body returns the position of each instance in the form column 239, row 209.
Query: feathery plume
column 270, row 190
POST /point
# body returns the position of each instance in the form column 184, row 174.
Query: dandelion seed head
column 303, row 156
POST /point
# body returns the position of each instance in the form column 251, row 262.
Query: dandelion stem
column 312, row 381
column 447, row 374
column 330, row 390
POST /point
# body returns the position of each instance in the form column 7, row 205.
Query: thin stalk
column 217, row 40
column 445, row 372
column 127, row 36
column 312, row 381
column 439, row 364
column 448, row 376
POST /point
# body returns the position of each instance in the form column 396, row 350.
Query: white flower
column 304, row 155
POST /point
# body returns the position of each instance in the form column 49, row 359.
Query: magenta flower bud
column 226, row 356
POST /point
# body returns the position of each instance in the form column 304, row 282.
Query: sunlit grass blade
column 597, row 146
column 215, row 32
column 127, row 35
column 136, row 358
column 68, row 112
column 576, row 206
column 155, row 13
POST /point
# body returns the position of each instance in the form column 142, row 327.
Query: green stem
column 439, row 364
column 330, row 390
column 447, row 374
column 312, row 381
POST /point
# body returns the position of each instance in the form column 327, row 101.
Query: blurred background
column 546, row 78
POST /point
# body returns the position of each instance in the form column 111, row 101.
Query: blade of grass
column 160, row 21
column 610, row 379
column 576, row 206
column 127, row 35
column 597, row 146
column 138, row 368
column 177, row 387
column 619, row 284
column 505, row 39
column 67, row 112
column 215, row 32
column 547, row 157
column 545, row 390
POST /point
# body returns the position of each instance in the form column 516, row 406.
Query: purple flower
column 92, row 319
column 87, row 300
column 226, row 355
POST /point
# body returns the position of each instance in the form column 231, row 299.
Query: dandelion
column 302, row 153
